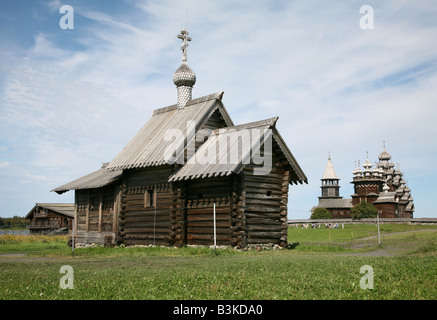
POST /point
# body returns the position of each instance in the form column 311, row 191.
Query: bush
column 363, row 210
column 321, row 213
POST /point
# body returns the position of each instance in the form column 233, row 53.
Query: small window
column 150, row 198
column 269, row 193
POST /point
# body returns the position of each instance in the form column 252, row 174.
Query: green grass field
column 320, row 264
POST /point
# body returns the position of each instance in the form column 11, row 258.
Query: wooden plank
column 262, row 209
column 266, row 186
column 262, row 241
column 87, row 212
column 208, row 237
column 116, row 210
column 263, row 203
column 192, row 218
column 76, row 197
column 255, row 221
column 255, row 190
column 256, row 228
column 210, row 231
column 100, row 210
column 263, row 196
column 262, row 215
column 141, row 236
column 219, row 224
column 148, row 231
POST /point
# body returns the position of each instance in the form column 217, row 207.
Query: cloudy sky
column 72, row 99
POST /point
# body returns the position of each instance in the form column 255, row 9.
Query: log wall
column 265, row 202
column 141, row 223
column 200, row 198
column 96, row 212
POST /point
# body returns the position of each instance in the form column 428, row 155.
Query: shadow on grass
column 291, row 246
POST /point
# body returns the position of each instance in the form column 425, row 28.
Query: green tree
column 363, row 210
column 321, row 213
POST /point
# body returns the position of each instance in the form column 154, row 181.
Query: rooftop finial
column 184, row 78
column 184, row 37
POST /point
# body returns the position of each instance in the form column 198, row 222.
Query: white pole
column 379, row 236
column 215, row 232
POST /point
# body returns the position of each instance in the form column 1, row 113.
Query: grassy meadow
column 319, row 264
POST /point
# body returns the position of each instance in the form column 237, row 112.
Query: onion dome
column 367, row 164
column 357, row 171
column 381, row 172
column 384, row 155
column 184, row 76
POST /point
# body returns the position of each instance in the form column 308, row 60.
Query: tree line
column 359, row 211
column 14, row 222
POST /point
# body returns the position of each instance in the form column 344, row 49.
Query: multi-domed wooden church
column 381, row 184
column 187, row 163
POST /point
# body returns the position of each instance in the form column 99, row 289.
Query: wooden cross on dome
column 184, row 37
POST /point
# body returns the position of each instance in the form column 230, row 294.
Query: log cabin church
column 187, row 162
column 383, row 186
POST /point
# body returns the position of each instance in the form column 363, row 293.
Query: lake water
column 14, row 232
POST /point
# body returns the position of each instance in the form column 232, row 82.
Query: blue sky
column 72, row 99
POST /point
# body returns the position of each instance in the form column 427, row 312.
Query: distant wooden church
column 383, row 186
column 186, row 161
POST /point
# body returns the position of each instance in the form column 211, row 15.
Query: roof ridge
column 260, row 123
column 217, row 95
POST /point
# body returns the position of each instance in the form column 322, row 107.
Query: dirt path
column 393, row 233
column 386, row 251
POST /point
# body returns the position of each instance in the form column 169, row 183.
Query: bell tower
column 330, row 182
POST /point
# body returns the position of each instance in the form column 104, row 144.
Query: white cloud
column 4, row 164
column 334, row 86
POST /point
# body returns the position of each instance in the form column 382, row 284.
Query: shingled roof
column 96, row 179
column 334, row 204
column 66, row 209
column 147, row 148
column 221, row 164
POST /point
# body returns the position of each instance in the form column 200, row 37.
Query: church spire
column 329, row 173
column 184, row 78
column 330, row 182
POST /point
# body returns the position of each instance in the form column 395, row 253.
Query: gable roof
column 220, row 164
column 96, row 179
column 147, row 148
column 66, row 209
column 386, row 197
